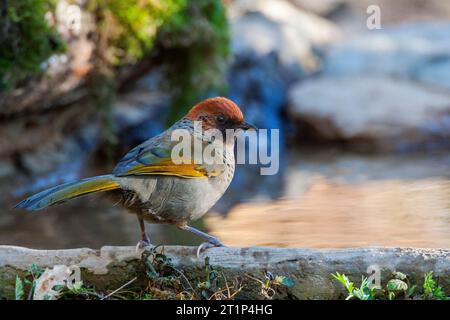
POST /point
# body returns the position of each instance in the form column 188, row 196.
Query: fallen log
column 309, row 270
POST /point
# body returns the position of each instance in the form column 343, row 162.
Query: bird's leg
column 145, row 241
column 210, row 240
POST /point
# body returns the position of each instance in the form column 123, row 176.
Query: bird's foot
column 143, row 245
column 207, row 245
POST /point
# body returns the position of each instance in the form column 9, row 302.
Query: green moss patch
column 26, row 40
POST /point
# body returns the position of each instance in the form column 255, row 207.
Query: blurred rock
column 258, row 84
column 49, row 156
column 278, row 26
column 259, row 87
column 392, row 113
column 273, row 46
column 139, row 115
column 434, row 71
column 6, row 168
column 322, row 8
column 414, row 51
column 354, row 13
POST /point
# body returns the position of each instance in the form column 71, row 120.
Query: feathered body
column 175, row 199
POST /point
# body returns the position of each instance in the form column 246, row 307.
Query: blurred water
column 322, row 199
column 340, row 201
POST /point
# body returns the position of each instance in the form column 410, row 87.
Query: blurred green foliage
column 196, row 47
column 128, row 28
column 126, row 31
column 26, row 40
column 191, row 40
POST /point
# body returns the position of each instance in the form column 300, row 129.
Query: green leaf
column 19, row 289
column 342, row 278
column 36, row 271
column 397, row 285
column 58, row 287
column 411, row 290
column 391, row 295
column 361, row 294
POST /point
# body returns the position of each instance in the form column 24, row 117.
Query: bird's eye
column 220, row 119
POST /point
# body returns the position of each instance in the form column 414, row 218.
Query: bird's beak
column 246, row 126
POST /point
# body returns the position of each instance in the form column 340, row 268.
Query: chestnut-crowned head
column 219, row 113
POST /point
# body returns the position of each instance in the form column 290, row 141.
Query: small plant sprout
column 361, row 293
column 398, row 287
column 431, row 290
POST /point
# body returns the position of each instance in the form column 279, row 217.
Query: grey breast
column 174, row 199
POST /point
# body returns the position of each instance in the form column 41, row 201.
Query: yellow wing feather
column 169, row 168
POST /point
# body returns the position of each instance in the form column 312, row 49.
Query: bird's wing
column 153, row 157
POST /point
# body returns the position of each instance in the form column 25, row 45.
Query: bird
column 155, row 186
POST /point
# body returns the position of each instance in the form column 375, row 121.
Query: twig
column 120, row 288
column 265, row 287
column 237, row 291
column 226, row 284
column 253, row 278
column 185, row 278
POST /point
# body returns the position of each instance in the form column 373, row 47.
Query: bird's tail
column 68, row 191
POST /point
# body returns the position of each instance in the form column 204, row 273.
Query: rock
column 309, row 270
column 322, row 8
column 258, row 84
column 272, row 43
column 314, row 28
column 413, row 51
column 6, row 168
column 353, row 13
column 50, row 279
column 435, row 71
column 138, row 115
column 392, row 113
column 278, row 26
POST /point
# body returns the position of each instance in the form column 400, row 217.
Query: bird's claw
column 207, row 245
column 143, row 245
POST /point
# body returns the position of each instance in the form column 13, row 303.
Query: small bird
column 154, row 186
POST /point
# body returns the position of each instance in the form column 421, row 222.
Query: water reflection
column 330, row 215
column 335, row 200
column 326, row 199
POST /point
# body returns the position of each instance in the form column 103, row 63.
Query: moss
column 125, row 33
column 188, row 38
column 26, row 40
column 7, row 281
column 128, row 28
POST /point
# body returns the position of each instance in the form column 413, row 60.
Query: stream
column 320, row 199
